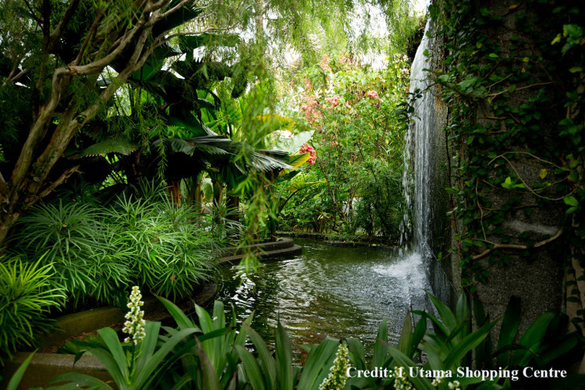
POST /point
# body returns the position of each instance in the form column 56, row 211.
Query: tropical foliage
column 355, row 113
column 211, row 353
column 96, row 252
column 26, row 297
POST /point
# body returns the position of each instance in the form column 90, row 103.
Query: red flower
column 334, row 101
column 372, row 94
column 306, row 148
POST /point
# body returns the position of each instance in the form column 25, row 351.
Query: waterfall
column 425, row 179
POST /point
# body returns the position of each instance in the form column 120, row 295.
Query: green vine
column 514, row 82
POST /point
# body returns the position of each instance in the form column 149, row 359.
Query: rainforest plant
column 74, row 242
column 26, row 297
column 96, row 252
column 358, row 138
column 214, row 354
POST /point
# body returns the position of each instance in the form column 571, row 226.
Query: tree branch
column 32, row 14
column 89, row 35
column 65, row 19
column 516, row 247
column 63, row 178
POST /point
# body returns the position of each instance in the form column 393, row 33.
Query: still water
column 329, row 291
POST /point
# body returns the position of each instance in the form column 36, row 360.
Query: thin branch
column 65, row 19
column 15, row 78
column 514, row 246
column 90, row 33
column 63, row 178
column 480, row 209
column 32, row 14
column 527, row 153
column 159, row 5
column 521, row 88
column 499, row 81
column 529, row 188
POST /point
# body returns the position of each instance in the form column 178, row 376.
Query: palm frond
column 111, row 145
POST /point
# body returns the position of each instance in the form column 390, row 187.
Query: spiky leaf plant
column 26, row 296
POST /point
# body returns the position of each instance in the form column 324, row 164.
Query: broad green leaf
column 318, row 363
column 210, row 380
column 78, row 380
column 483, row 350
column 178, row 315
column 254, row 374
column 509, row 328
column 405, row 341
column 154, row 363
column 299, row 159
column 560, row 348
column 181, row 383
column 379, row 349
column 111, row 366
column 402, row 360
column 571, row 201
column 532, row 337
column 241, row 337
column 507, row 184
column 266, row 358
column 214, row 334
column 458, row 331
column 419, row 332
column 204, row 319
column 19, row 374
column 462, row 310
column 462, row 348
column 283, row 359
column 445, row 313
column 119, row 145
column 110, row 337
column 438, row 327
column 218, row 315
column 357, row 353
column 148, row 344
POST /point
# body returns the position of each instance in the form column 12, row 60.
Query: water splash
column 423, row 180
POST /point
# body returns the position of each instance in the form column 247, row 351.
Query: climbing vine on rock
column 513, row 78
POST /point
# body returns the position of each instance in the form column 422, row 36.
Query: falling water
column 424, row 180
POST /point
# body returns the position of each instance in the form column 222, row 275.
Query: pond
column 329, row 291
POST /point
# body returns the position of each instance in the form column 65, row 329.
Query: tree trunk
column 46, row 142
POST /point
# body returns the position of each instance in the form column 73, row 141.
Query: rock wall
column 519, row 254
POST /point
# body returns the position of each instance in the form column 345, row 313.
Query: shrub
column 379, row 207
column 169, row 254
column 77, row 246
column 96, row 252
column 26, row 296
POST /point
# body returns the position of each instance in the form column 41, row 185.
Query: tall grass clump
column 72, row 240
column 26, row 296
column 96, row 252
column 168, row 251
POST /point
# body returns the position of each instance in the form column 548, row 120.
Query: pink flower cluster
column 306, row 148
column 325, row 63
column 334, row 101
column 372, row 94
column 310, row 108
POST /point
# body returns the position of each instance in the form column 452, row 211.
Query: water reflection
column 329, row 291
